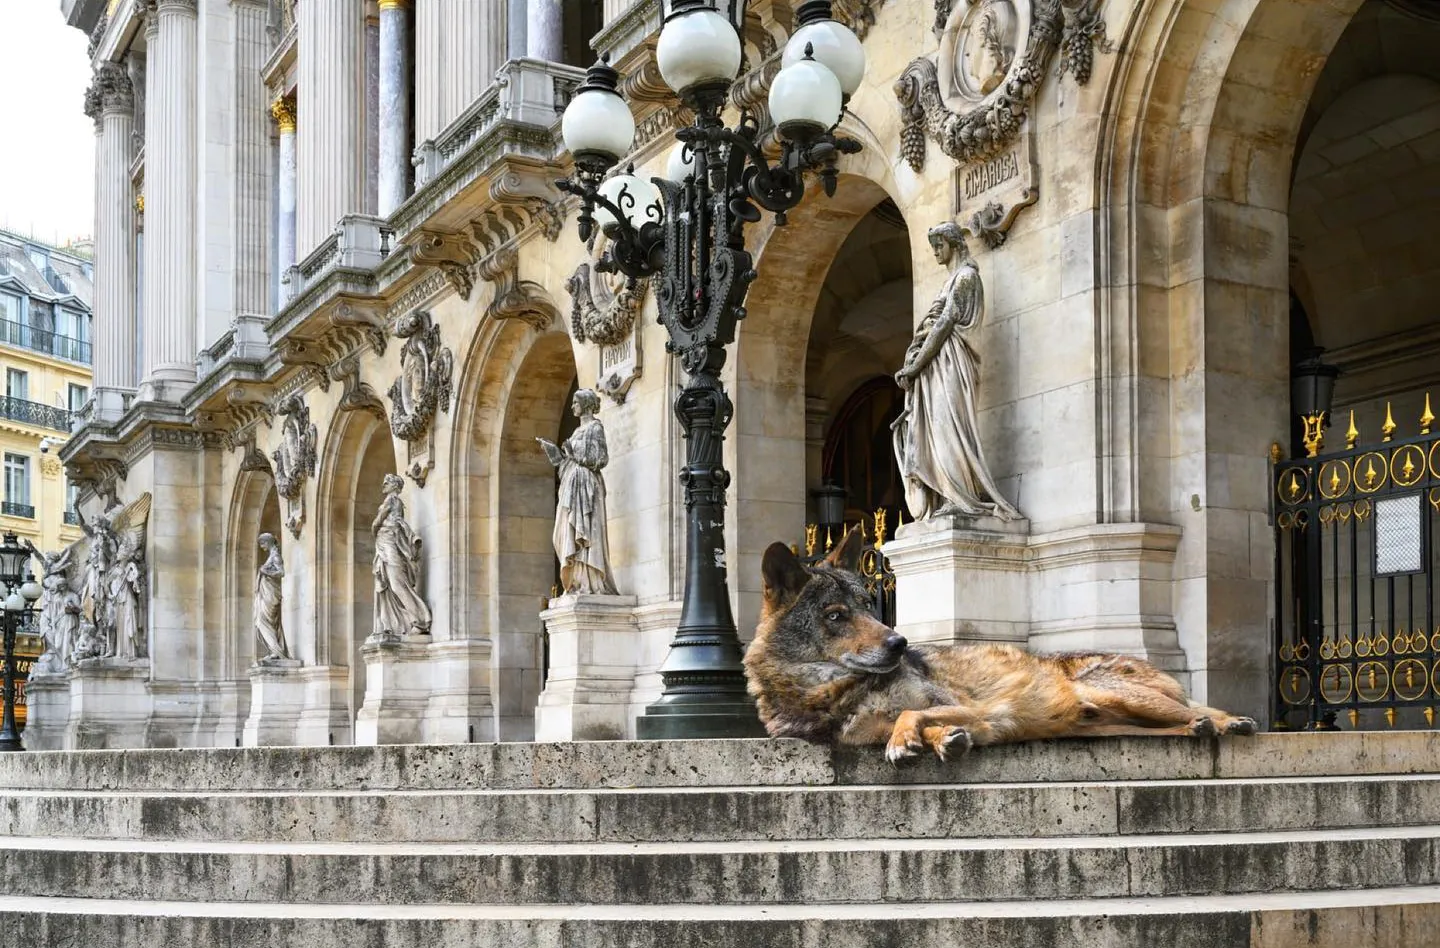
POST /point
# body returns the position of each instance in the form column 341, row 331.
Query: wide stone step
column 620, row 764
column 751, row 872
column 1357, row 918
column 735, row 813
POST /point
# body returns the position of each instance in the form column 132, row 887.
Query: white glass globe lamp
column 805, row 100
column 698, row 47
column 832, row 43
column 597, row 123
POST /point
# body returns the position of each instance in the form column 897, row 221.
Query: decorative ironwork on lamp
column 687, row 231
column 21, row 595
column 1312, row 389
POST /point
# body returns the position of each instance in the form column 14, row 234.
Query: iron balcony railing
column 34, row 413
column 72, row 517
column 17, row 510
column 44, row 340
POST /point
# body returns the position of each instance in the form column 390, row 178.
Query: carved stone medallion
column 295, row 460
column 422, row 390
column 605, row 310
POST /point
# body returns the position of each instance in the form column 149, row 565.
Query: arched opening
column 523, row 568
column 858, row 336
column 832, row 296
column 254, row 510
column 359, row 453
column 1355, row 602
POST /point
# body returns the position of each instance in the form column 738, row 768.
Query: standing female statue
column 937, row 437
column 399, row 608
column 579, row 535
column 267, row 601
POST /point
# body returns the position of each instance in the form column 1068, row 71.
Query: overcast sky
column 47, row 178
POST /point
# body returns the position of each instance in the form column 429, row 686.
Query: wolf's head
column 816, row 641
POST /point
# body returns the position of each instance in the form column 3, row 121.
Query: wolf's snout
column 895, row 642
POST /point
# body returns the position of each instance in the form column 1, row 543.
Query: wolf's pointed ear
column 846, row 554
column 783, row 574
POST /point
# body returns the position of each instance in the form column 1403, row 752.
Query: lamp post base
column 699, row 722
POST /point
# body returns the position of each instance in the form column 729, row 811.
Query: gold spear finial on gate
column 1353, row 435
column 1389, row 427
column 1428, row 418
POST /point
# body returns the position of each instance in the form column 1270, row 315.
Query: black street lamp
column 687, row 230
column 13, row 558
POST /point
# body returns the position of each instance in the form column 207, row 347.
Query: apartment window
column 38, row 257
column 17, row 384
column 17, row 486
column 72, row 502
column 79, row 395
column 73, row 325
column 9, row 307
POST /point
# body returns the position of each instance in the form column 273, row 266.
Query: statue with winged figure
column 60, row 611
column 937, row 436
column 113, row 587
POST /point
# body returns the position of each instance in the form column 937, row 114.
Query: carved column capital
column 116, row 92
column 284, row 111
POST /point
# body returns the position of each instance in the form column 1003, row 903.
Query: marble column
column 330, row 154
column 114, row 337
column 515, row 17
column 252, row 170
column 395, row 124
column 283, row 109
column 545, row 30
column 170, row 189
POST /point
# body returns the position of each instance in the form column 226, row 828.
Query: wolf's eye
column 835, row 615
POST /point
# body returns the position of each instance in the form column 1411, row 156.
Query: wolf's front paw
column 952, row 741
column 1203, row 727
column 1241, row 726
column 905, row 742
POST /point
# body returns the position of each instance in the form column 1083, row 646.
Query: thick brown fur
column 823, row 668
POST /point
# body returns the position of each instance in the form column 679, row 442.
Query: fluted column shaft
column 545, row 30
column 395, row 119
column 515, row 26
column 114, row 339
column 428, row 61
column 330, row 152
column 170, row 188
column 252, row 162
column 474, row 50
column 284, row 112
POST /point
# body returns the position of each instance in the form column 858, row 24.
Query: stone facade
column 1123, row 170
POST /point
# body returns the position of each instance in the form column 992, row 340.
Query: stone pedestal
column 397, row 689
column 460, row 709
column 277, row 699
column 47, row 711
column 326, row 719
column 109, row 704
column 961, row 579
column 594, row 647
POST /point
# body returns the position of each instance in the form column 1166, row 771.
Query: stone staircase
column 1274, row 841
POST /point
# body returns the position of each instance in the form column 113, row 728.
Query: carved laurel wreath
column 608, row 326
column 1072, row 26
column 423, row 350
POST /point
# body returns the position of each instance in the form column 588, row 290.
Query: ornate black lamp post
column 13, row 558
column 687, row 230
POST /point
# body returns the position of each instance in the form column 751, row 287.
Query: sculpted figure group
column 94, row 599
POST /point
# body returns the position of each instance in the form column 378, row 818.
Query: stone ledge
column 623, row 764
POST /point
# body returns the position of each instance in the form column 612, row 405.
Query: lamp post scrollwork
column 686, row 231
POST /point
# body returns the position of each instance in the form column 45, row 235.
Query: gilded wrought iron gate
column 874, row 567
column 1357, row 639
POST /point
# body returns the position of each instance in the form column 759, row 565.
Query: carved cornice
column 356, row 394
column 535, row 191
column 417, row 294
column 306, row 353
column 516, row 298
column 453, row 254
column 252, row 458
column 367, row 317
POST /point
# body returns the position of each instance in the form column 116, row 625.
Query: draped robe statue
column 579, row 535
column 399, row 607
column 937, row 437
column 268, row 623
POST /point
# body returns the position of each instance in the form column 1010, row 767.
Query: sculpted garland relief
column 295, row 460
column 605, row 311
column 973, row 98
column 422, row 390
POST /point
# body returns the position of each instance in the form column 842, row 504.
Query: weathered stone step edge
column 713, row 763
column 763, row 876
column 727, row 814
